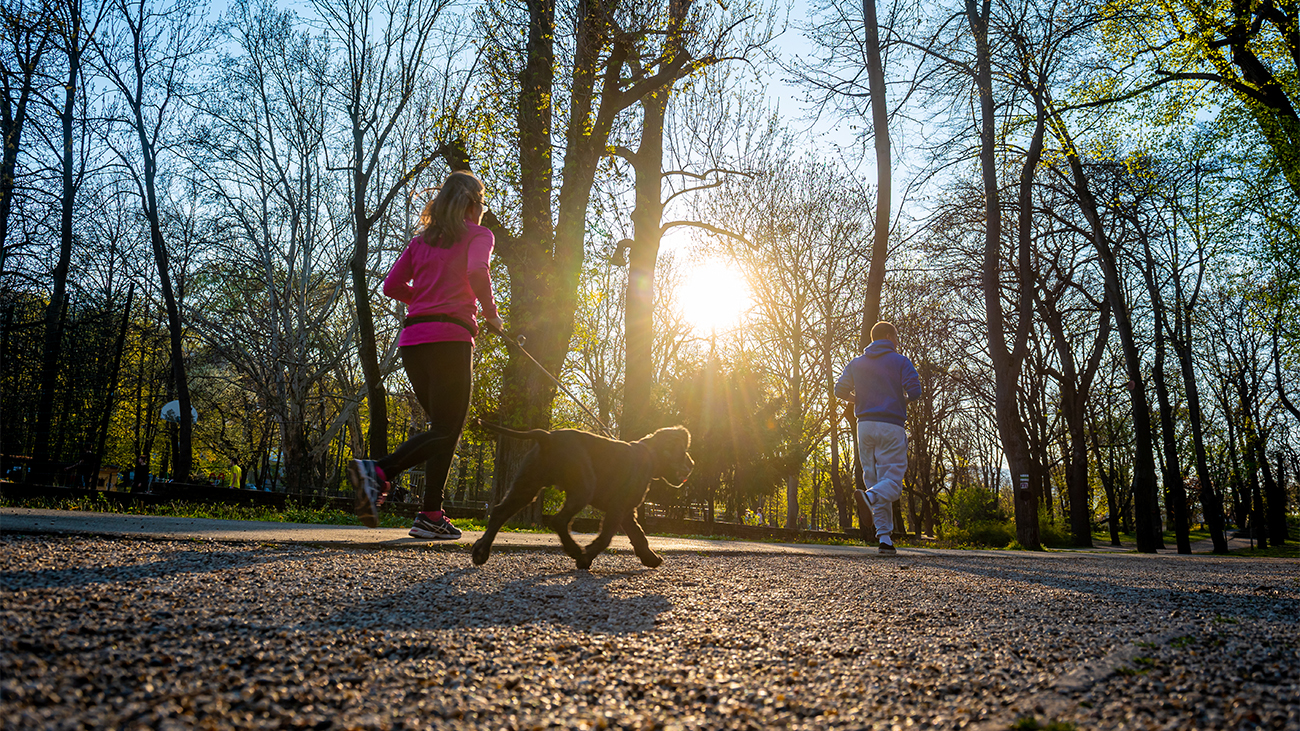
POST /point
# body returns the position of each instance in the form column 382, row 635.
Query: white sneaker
column 368, row 490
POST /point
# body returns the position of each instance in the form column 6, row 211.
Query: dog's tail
column 533, row 434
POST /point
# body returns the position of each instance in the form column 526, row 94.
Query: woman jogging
column 439, row 276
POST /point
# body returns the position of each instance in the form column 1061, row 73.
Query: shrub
column 995, row 534
column 968, row 505
column 971, row 517
column 1053, row 535
column 988, row 533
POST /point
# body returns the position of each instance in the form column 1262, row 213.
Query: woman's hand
column 495, row 324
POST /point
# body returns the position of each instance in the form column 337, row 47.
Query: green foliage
column 968, row 505
column 1053, row 535
column 1289, row 550
column 983, row 533
column 293, row 512
column 972, row 517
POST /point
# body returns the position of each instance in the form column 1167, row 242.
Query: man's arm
column 911, row 382
column 844, row 386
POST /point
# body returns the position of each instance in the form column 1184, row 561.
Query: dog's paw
column 653, row 561
column 480, row 553
column 584, row 562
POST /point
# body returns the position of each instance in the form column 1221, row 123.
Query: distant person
column 82, row 473
column 441, row 274
column 140, row 478
column 880, row 382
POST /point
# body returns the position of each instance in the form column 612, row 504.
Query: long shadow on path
column 1231, row 587
column 469, row 597
column 177, row 562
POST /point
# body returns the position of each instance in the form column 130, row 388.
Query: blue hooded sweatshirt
column 879, row 382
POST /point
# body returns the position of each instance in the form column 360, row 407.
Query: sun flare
column 714, row 297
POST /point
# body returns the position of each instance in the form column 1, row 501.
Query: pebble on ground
column 121, row 633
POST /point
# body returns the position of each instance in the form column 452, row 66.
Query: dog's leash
column 518, row 342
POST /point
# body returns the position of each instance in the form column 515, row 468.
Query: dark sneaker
column 434, row 526
column 368, row 488
column 887, row 549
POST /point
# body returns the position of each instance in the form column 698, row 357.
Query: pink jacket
column 433, row 280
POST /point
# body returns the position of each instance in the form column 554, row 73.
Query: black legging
column 440, row 373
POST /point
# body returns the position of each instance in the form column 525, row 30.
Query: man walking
column 880, row 382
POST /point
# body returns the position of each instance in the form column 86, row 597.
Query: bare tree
column 274, row 313
column 146, row 52
column 703, row 126
column 594, row 44
column 71, row 37
column 26, row 31
column 802, row 222
column 1077, row 367
column 387, row 75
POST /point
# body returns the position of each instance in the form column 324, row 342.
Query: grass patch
column 293, row 512
column 1288, row 550
column 766, row 539
column 1102, row 537
column 1182, row 643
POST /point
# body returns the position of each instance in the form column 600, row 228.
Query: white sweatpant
column 883, row 450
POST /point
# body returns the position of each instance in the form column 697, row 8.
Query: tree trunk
column 367, row 349
column 1006, row 362
column 1258, row 516
column 118, row 347
column 884, row 179
column 839, row 489
column 53, row 344
column 1274, row 499
column 1252, row 457
column 1275, row 492
column 1108, row 485
column 638, row 310
column 1145, row 503
column 175, row 327
column 1172, row 475
column 1075, row 389
column 1211, row 505
column 525, row 397
column 1240, row 492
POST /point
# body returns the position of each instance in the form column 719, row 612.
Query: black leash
column 518, row 342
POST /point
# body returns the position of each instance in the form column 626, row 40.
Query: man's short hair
column 884, row 330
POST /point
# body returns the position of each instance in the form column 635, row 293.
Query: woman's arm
column 478, row 264
column 397, row 284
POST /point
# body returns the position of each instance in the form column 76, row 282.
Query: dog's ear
column 672, row 462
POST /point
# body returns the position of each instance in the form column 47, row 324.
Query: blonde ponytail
column 443, row 219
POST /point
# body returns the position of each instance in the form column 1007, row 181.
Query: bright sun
column 714, row 297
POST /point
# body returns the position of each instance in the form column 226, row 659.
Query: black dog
column 608, row 474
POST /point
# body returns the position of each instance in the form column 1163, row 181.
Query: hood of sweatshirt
column 879, row 348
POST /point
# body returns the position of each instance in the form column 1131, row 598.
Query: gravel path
column 128, row 633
